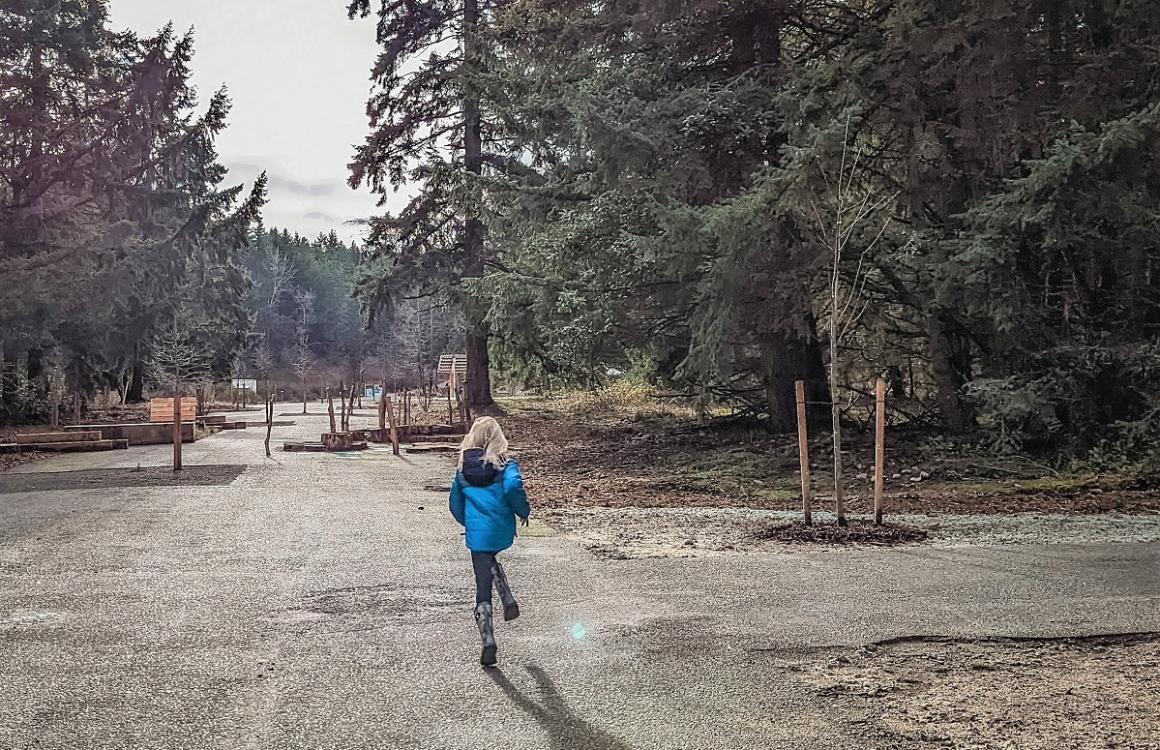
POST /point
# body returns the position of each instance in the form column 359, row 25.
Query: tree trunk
column 478, row 385
column 475, row 250
column 947, row 363
column 897, row 382
column 789, row 358
column 136, row 391
column 35, row 363
column 177, row 426
column 836, row 426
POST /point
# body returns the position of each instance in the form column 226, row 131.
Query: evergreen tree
column 663, row 163
column 644, row 129
column 113, row 214
column 428, row 132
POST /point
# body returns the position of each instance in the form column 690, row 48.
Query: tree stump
column 337, row 441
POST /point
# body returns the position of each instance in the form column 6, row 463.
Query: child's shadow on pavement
column 566, row 730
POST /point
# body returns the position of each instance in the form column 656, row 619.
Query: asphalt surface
column 319, row 601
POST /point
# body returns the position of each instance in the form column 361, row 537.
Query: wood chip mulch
column 856, row 534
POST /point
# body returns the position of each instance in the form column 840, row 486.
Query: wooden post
column 401, row 408
column 450, row 410
column 879, row 449
column 176, row 427
column 804, row 451
column 383, row 412
column 341, row 406
column 466, row 405
column 394, row 431
column 269, row 422
column 330, row 408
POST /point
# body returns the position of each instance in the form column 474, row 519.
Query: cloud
column 319, row 203
column 278, row 183
column 313, row 189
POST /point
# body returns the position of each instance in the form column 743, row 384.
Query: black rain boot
column 486, row 634
column 511, row 608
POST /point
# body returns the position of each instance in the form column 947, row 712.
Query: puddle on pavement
column 365, row 606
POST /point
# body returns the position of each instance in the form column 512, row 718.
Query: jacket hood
column 475, row 471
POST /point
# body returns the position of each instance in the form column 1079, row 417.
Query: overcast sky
column 299, row 73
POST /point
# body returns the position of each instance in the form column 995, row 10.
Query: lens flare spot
column 579, row 632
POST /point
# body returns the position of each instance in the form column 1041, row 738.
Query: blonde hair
column 486, row 434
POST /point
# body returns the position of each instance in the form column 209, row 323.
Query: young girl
column 486, row 496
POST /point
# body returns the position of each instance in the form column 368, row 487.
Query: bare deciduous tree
column 280, row 273
column 841, row 214
column 176, row 359
column 303, row 358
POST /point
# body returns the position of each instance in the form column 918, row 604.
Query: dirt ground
column 1053, row 695
column 651, row 482
column 639, row 460
column 11, row 460
column 625, row 533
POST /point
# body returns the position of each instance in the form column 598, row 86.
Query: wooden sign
column 161, row 409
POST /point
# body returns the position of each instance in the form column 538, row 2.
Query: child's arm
column 456, row 501
column 513, row 490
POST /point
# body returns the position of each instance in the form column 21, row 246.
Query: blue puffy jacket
column 486, row 500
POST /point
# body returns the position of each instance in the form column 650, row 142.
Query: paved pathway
column 317, row 601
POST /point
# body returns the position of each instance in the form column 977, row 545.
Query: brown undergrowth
column 658, row 458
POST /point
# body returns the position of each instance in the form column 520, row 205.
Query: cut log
column 73, row 436
column 77, row 446
column 300, row 447
column 432, row 448
column 337, row 441
column 297, row 447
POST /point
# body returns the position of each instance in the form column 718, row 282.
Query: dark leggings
column 481, row 562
